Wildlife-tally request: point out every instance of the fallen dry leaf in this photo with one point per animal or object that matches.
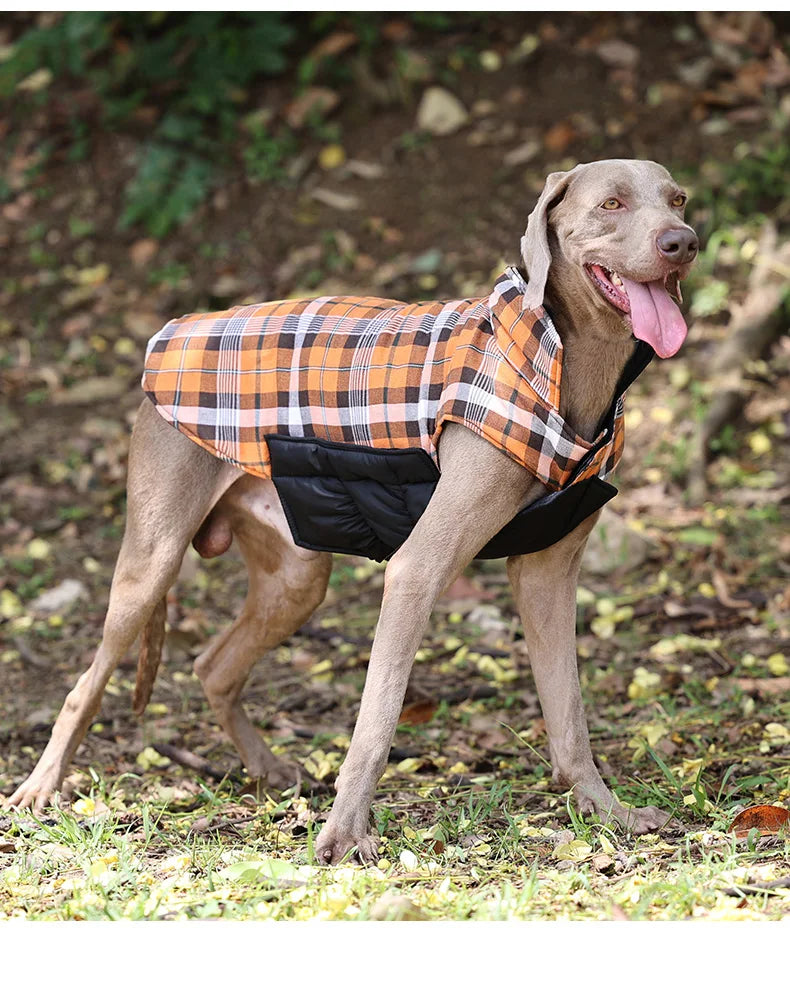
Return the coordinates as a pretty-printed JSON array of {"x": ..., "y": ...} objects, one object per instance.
[
  {"x": 418, "y": 712},
  {"x": 463, "y": 588},
  {"x": 767, "y": 819},
  {"x": 764, "y": 687},
  {"x": 559, "y": 137},
  {"x": 315, "y": 100},
  {"x": 336, "y": 43}
]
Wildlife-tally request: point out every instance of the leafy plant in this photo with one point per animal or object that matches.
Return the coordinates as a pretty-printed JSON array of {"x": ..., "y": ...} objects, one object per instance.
[{"x": 201, "y": 61}]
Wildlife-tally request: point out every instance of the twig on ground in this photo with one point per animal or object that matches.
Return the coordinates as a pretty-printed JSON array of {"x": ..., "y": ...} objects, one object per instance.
[
  {"x": 187, "y": 759},
  {"x": 748, "y": 889}
]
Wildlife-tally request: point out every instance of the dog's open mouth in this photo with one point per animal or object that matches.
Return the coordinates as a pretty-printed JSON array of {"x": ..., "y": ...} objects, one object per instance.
[{"x": 654, "y": 317}]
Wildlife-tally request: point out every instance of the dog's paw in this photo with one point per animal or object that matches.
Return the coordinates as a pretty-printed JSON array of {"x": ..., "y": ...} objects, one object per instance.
[
  {"x": 279, "y": 777},
  {"x": 636, "y": 820},
  {"x": 333, "y": 847},
  {"x": 286, "y": 774},
  {"x": 641, "y": 820},
  {"x": 34, "y": 794}
]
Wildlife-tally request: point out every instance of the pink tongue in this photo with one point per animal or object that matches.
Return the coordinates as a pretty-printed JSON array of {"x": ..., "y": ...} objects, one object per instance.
[{"x": 655, "y": 317}]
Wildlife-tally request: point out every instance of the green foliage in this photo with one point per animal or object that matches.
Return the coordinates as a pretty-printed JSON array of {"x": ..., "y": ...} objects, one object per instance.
[
  {"x": 187, "y": 76},
  {"x": 760, "y": 179},
  {"x": 170, "y": 183},
  {"x": 755, "y": 182},
  {"x": 266, "y": 154},
  {"x": 196, "y": 64}
]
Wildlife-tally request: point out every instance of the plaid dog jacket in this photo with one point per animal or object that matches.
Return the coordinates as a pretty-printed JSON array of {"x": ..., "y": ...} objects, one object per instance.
[{"x": 362, "y": 372}]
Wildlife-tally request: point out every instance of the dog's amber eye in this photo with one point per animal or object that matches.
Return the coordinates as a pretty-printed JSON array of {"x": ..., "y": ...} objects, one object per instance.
[
  {"x": 679, "y": 200},
  {"x": 611, "y": 204}
]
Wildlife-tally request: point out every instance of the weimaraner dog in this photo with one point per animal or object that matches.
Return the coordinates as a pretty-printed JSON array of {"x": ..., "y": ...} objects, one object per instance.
[{"x": 602, "y": 246}]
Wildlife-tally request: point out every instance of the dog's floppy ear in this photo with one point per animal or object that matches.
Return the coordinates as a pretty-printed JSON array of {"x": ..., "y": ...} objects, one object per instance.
[{"x": 535, "y": 241}]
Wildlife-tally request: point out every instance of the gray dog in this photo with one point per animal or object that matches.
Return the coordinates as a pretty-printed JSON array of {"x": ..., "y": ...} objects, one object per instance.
[{"x": 604, "y": 244}]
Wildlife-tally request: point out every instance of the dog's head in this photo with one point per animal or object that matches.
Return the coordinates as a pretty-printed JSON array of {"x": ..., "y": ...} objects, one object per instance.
[{"x": 609, "y": 238}]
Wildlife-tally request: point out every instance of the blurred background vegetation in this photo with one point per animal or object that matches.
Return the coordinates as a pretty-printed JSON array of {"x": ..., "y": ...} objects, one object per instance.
[
  {"x": 203, "y": 70},
  {"x": 192, "y": 87}
]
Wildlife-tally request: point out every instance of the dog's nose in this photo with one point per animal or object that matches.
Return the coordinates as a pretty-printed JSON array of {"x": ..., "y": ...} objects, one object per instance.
[{"x": 678, "y": 245}]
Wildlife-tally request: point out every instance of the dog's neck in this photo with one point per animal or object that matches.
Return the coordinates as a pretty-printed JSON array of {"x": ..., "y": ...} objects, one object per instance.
[{"x": 591, "y": 366}]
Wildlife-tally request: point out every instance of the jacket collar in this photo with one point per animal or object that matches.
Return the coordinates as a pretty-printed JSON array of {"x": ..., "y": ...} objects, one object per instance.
[
  {"x": 531, "y": 344},
  {"x": 527, "y": 337}
]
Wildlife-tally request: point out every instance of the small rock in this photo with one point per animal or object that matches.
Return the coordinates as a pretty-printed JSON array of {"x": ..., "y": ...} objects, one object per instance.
[
  {"x": 366, "y": 169},
  {"x": 335, "y": 199},
  {"x": 42, "y": 716},
  {"x": 623, "y": 862},
  {"x": 59, "y": 598},
  {"x": 618, "y": 54},
  {"x": 440, "y": 112},
  {"x": 696, "y": 73},
  {"x": 602, "y": 863},
  {"x": 614, "y": 546},
  {"x": 395, "y": 907},
  {"x": 522, "y": 154}
]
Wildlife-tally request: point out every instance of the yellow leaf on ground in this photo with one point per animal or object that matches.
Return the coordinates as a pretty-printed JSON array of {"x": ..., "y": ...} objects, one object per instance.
[
  {"x": 85, "y": 806},
  {"x": 575, "y": 851},
  {"x": 332, "y": 156},
  {"x": 778, "y": 734},
  {"x": 645, "y": 684},
  {"x": 653, "y": 732},
  {"x": 149, "y": 758}
]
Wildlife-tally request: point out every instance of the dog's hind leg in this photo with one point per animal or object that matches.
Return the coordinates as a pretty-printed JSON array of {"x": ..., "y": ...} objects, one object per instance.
[
  {"x": 286, "y": 584},
  {"x": 544, "y": 585},
  {"x": 172, "y": 485}
]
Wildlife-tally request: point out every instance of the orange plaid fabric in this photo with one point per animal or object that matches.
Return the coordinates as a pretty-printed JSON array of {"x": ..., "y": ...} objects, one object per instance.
[{"x": 375, "y": 373}]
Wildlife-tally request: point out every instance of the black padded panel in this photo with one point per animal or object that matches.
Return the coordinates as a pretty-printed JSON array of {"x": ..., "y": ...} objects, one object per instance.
[{"x": 363, "y": 501}]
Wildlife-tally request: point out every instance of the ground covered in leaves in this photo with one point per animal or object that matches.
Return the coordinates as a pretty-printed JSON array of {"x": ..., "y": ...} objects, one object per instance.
[{"x": 683, "y": 612}]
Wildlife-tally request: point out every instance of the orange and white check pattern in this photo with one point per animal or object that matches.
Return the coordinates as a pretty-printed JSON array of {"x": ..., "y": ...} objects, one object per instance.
[{"x": 376, "y": 373}]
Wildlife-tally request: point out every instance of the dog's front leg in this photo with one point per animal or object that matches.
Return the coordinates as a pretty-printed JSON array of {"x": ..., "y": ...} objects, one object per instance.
[
  {"x": 544, "y": 585},
  {"x": 406, "y": 608},
  {"x": 480, "y": 490}
]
